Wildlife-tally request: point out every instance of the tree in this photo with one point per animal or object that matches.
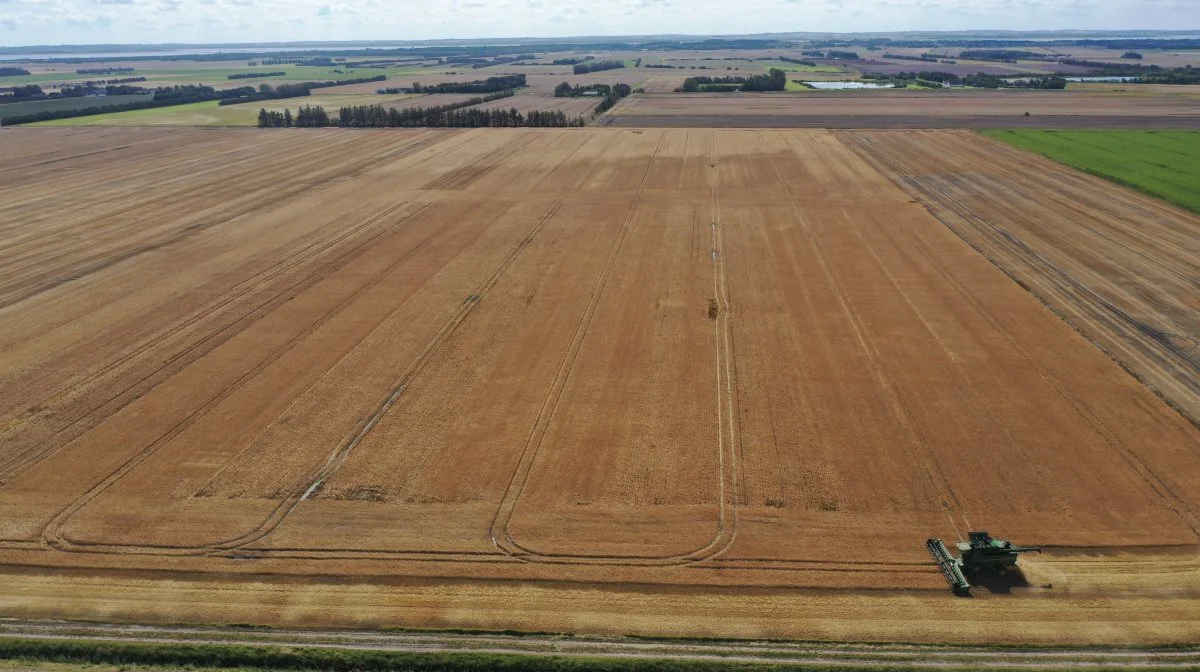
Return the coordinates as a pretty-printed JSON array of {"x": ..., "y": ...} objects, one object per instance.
[
  {"x": 263, "y": 119},
  {"x": 287, "y": 118},
  {"x": 28, "y": 91},
  {"x": 778, "y": 79}
]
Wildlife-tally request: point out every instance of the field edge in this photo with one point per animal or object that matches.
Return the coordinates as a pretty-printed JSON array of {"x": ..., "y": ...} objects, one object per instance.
[{"x": 82, "y": 648}]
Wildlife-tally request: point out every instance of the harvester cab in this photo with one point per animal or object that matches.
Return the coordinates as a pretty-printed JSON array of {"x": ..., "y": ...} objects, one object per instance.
[
  {"x": 978, "y": 554},
  {"x": 982, "y": 553}
]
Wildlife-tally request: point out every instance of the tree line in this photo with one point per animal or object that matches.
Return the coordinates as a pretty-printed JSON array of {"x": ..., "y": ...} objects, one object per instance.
[
  {"x": 13, "y": 72},
  {"x": 308, "y": 116},
  {"x": 504, "y": 60},
  {"x": 774, "y": 80},
  {"x": 462, "y": 114},
  {"x": 463, "y": 60},
  {"x": 902, "y": 57},
  {"x": 572, "y": 61},
  {"x": 252, "y": 75},
  {"x": 92, "y": 90},
  {"x": 267, "y": 92},
  {"x": 24, "y": 92},
  {"x": 566, "y": 90},
  {"x": 109, "y": 87},
  {"x": 421, "y": 116},
  {"x": 789, "y": 59},
  {"x": 376, "y": 116},
  {"x": 489, "y": 85},
  {"x": 616, "y": 93},
  {"x": 319, "y": 61},
  {"x": 1185, "y": 75},
  {"x": 1002, "y": 55},
  {"x": 611, "y": 94},
  {"x": 985, "y": 81},
  {"x": 597, "y": 66},
  {"x": 104, "y": 71}
]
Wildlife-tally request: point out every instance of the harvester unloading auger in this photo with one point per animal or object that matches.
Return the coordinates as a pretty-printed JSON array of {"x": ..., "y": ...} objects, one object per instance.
[{"x": 981, "y": 553}]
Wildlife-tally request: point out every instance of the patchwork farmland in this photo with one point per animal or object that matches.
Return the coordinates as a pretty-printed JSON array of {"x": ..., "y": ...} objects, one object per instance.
[{"x": 681, "y": 368}]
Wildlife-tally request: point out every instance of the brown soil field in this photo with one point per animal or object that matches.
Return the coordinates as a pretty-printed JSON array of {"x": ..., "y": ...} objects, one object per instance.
[
  {"x": 910, "y": 109},
  {"x": 1130, "y": 90},
  {"x": 527, "y": 101},
  {"x": 892, "y": 66},
  {"x": 659, "y": 381},
  {"x": 1167, "y": 59},
  {"x": 398, "y": 81},
  {"x": 417, "y": 100},
  {"x": 1123, "y": 269},
  {"x": 541, "y": 79}
]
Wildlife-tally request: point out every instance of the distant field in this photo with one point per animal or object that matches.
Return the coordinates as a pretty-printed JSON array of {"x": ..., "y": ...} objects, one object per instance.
[
  {"x": 55, "y": 104},
  {"x": 1161, "y": 163},
  {"x": 201, "y": 73},
  {"x": 743, "y": 65},
  {"x": 293, "y": 73},
  {"x": 209, "y": 113},
  {"x": 796, "y": 67},
  {"x": 892, "y": 108}
]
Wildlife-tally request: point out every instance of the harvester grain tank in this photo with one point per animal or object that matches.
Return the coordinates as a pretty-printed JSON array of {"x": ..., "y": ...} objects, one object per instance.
[{"x": 980, "y": 553}]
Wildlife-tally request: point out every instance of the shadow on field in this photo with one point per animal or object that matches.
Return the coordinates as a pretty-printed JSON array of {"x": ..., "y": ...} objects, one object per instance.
[{"x": 998, "y": 583}]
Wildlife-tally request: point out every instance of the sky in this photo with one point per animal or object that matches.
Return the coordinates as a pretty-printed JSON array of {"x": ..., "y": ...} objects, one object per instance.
[{"x": 28, "y": 22}]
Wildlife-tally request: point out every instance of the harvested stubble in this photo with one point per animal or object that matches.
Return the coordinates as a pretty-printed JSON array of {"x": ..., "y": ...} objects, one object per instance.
[{"x": 491, "y": 355}]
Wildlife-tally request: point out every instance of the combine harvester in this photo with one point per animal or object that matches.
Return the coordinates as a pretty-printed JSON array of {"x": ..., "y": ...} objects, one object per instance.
[{"x": 981, "y": 553}]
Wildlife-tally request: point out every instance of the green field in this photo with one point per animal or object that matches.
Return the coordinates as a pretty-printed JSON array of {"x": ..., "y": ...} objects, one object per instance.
[
  {"x": 55, "y": 104},
  {"x": 193, "y": 114},
  {"x": 1160, "y": 163}
]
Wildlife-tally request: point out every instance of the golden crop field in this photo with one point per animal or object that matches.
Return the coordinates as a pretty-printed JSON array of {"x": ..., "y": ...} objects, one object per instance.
[{"x": 557, "y": 378}]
